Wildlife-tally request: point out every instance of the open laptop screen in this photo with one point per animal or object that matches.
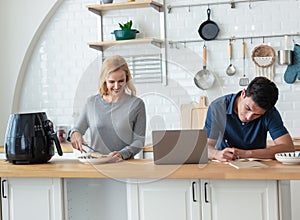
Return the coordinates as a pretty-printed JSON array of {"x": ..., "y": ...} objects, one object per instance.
[{"x": 180, "y": 146}]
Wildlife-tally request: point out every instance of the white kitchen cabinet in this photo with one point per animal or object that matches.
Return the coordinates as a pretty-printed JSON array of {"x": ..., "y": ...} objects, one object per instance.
[
  {"x": 32, "y": 198},
  {"x": 168, "y": 199},
  {"x": 294, "y": 199},
  {"x": 239, "y": 199},
  {"x": 95, "y": 199}
]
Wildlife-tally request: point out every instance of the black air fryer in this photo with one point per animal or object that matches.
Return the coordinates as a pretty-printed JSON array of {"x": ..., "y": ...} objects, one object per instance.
[{"x": 29, "y": 139}]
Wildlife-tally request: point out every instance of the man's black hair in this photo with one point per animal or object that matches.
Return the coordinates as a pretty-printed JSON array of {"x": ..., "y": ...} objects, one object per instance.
[{"x": 263, "y": 92}]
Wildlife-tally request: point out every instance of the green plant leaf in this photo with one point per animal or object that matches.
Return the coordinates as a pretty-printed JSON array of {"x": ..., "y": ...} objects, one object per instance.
[
  {"x": 121, "y": 26},
  {"x": 126, "y": 26}
]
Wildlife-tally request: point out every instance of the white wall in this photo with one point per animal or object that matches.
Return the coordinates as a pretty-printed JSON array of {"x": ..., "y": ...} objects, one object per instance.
[
  {"x": 19, "y": 23},
  {"x": 63, "y": 70}
]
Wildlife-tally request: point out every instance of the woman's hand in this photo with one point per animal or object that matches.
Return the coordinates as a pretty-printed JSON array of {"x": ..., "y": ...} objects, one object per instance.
[
  {"x": 117, "y": 155},
  {"x": 77, "y": 140}
]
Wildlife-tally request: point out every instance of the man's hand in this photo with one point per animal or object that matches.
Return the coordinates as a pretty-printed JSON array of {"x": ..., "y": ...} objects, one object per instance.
[{"x": 228, "y": 154}]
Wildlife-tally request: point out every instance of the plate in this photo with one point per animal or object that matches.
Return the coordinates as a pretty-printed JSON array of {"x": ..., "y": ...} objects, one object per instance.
[
  {"x": 288, "y": 157},
  {"x": 88, "y": 158}
]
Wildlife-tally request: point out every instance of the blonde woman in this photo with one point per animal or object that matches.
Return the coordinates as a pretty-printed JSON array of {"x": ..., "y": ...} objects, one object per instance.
[{"x": 115, "y": 117}]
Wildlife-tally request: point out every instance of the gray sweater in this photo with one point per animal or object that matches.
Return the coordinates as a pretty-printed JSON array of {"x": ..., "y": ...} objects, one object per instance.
[{"x": 116, "y": 126}]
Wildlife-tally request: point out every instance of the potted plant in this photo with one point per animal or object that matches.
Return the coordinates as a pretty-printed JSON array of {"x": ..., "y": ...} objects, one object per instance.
[{"x": 126, "y": 32}]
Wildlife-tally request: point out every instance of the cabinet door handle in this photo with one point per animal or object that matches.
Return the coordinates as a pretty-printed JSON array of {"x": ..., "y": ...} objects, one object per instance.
[
  {"x": 193, "y": 192},
  {"x": 3, "y": 189},
  {"x": 205, "y": 193}
]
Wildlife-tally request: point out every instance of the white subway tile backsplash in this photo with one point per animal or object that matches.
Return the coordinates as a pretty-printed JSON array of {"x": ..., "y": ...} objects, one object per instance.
[{"x": 63, "y": 70}]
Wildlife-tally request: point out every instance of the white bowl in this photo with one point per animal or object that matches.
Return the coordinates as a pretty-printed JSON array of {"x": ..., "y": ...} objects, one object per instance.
[{"x": 288, "y": 157}]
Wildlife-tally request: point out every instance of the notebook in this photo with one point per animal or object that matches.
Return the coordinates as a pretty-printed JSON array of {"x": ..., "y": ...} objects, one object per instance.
[{"x": 180, "y": 146}]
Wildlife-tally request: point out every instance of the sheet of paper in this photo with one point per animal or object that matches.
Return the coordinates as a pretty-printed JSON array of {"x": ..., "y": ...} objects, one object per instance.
[{"x": 247, "y": 164}]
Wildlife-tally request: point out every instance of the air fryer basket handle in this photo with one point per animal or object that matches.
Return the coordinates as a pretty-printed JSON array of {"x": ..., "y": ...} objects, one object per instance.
[
  {"x": 52, "y": 135},
  {"x": 57, "y": 144}
]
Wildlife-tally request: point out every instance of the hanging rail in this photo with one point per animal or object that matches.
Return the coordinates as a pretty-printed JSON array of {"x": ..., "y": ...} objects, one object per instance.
[
  {"x": 231, "y": 3},
  {"x": 171, "y": 43}
]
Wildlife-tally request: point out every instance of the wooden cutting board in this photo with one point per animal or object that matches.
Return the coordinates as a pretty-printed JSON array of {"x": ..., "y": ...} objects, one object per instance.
[{"x": 193, "y": 115}]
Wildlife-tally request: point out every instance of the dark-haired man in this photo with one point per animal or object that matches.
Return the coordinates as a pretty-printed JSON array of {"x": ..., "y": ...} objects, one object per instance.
[{"x": 237, "y": 124}]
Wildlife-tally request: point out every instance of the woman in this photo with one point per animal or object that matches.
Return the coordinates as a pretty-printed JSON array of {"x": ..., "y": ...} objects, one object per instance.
[{"x": 115, "y": 117}]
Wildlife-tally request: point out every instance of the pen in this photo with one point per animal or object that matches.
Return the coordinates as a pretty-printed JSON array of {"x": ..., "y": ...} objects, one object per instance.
[
  {"x": 227, "y": 145},
  {"x": 226, "y": 142}
]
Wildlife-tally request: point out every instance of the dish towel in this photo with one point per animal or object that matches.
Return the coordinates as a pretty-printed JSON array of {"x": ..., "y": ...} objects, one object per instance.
[{"x": 293, "y": 70}]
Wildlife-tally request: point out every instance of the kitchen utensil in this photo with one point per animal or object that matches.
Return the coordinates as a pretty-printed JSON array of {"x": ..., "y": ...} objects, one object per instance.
[
  {"x": 204, "y": 79},
  {"x": 208, "y": 30},
  {"x": 263, "y": 57},
  {"x": 90, "y": 147},
  {"x": 192, "y": 116},
  {"x": 29, "y": 139},
  {"x": 244, "y": 81},
  {"x": 231, "y": 70},
  {"x": 285, "y": 57}
]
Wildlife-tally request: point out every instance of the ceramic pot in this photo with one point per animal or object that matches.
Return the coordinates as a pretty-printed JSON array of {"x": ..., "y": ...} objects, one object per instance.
[{"x": 125, "y": 34}]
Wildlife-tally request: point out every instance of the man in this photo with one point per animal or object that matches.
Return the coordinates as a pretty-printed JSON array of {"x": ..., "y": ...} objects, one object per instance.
[{"x": 237, "y": 124}]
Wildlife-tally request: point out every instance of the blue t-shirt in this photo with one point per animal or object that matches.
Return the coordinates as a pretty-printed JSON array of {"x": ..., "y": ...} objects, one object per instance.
[{"x": 223, "y": 125}]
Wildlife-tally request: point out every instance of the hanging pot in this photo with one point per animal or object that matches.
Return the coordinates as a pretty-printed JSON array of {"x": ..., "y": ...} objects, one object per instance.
[
  {"x": 208, "y": 30},
  {"x": 285, "y": 57}
]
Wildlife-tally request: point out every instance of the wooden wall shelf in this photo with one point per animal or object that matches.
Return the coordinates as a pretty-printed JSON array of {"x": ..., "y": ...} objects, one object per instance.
[
  {"x": 106, "y": 44},
  {"x": 102, "y": 45},
  {"x": 98, "y": 8}
]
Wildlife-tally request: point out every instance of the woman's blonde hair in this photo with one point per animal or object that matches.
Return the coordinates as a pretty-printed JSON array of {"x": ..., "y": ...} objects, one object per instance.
[{"x": 112, "y": 64}]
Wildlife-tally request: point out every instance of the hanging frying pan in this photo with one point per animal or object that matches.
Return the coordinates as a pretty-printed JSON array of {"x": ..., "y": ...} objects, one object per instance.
[{"x": 208, "y": 30}]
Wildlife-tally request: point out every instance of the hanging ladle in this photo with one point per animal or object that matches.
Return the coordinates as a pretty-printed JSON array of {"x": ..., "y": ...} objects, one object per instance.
[{"x": 231, "y": 70}]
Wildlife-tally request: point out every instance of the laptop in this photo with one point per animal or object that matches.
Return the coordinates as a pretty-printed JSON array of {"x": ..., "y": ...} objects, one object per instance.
[{"x": 180, "y": 146}]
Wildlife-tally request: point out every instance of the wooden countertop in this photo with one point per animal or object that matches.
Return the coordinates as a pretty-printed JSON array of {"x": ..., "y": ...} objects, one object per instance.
[
  {"x": 66, "y": 148},
  {"x": 132, "y": 169}
]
